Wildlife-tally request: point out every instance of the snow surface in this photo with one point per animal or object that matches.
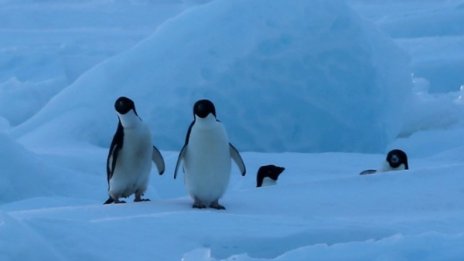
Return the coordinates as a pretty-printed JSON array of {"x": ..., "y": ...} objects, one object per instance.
[
  {"x": 318, "y": 210},
  {"x": 64, "y": 62}
]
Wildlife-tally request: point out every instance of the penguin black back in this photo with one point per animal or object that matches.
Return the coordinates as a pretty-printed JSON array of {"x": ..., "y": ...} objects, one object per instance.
[
  {"x": 397, "y": 157},
  {"x": 268, "y": 171}
]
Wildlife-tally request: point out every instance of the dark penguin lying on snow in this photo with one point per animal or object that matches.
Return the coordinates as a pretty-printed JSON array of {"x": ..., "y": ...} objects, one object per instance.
[
  {"x": 268, "y": 175},
  {"x": 396, "y": 160}
]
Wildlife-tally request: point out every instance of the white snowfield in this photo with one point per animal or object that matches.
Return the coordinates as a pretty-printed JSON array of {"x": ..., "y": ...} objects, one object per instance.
[
  {"x": 339, "y": 82},
  {"x": 320, "y": 209}
]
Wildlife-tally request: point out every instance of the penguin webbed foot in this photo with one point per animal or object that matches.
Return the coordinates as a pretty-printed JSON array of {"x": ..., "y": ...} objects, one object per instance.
[
  {"x": 217, "y": 206},
  {"x": 141, "y": 199},
  {"x": 198, "y": 204},
  {"x": 108, "y": 201},
  {"x": 138, "y": 198},
  {"x": 112, "y": 200}
]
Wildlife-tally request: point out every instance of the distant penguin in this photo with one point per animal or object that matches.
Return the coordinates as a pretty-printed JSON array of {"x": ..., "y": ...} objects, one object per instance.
[
  {"x": 131, "y": 153},
  {"x": 268, "y": 175},
  {"x": 206, "y": 157},
  {"x": 396, "y": 160}
]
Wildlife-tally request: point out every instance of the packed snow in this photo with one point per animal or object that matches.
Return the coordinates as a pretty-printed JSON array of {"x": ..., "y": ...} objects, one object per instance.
[
  {"x": 322, "y": 88},
  {"x": 430, "y": 31}
]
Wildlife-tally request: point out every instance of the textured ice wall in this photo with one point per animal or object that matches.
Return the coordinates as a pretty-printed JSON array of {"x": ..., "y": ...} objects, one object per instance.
[{"x": 285, "y": 76}]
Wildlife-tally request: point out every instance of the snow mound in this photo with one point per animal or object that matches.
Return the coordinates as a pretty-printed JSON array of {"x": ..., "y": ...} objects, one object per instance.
[
  {"x": 23, "y": 99},
  {"x": 17, "y": 239},
  {"x": 51, "y": 43},
  {"x": 298, "y": 76},
  {"x": 21, "y": 172},
  {"x": 27, "y": 175},
  {"x": 421, "y": 28}
]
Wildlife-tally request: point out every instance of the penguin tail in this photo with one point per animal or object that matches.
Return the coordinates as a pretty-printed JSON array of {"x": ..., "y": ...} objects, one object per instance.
[{"x": 109, "y": 201}]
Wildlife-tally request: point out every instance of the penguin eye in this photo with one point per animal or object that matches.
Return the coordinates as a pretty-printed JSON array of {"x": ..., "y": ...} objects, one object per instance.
[{"x": 395, "y": 159}]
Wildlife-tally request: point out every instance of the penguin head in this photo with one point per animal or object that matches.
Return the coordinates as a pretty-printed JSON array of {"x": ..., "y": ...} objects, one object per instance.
[
  {"x": 125, "y": 108},
  {"x": 203, "y": 108},
  {"x": 268, "y": 171},
  {"x": 123, "y": 105},
  {"x": 396, "y": 158}
]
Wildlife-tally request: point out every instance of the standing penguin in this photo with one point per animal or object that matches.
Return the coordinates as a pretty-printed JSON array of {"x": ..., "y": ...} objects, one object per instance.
[
  {"x": 129, "y": 159},
  {"x": 396, "y": 160},
  {"x": 206, "y": 157}
]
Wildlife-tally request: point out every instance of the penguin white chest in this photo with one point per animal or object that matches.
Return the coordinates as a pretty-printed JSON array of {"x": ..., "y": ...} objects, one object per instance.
[
  {"x": 386, "y": 167},
  {"x": 137, "y": 146},
  {"x": 207, "y": 161},
  {"x": 268, "y": 182}
]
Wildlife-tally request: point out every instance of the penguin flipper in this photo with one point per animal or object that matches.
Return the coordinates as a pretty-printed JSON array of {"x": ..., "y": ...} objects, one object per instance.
[
  {"x": 115, "y": 147},
  {"x": 368, "y": 172},
  {"x": 157, "y": 158},
  {"x": 237, "y": 159},
  {"x": 179, "y": 159},
  {"x": 111, "y": 162}
]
